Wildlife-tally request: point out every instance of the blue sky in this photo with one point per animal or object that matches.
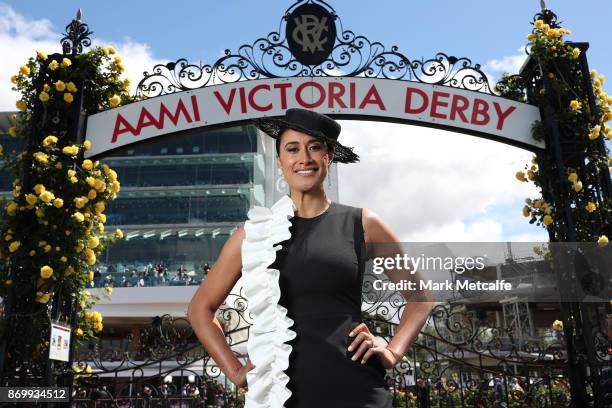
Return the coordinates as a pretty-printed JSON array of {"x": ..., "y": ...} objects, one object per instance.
[{"x": 433, "y": 185}]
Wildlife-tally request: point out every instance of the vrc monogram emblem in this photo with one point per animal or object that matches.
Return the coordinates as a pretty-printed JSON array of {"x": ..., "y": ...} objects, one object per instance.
[
  {"x": 308, "y": 32},
  {"x": 311, "y": 33}
]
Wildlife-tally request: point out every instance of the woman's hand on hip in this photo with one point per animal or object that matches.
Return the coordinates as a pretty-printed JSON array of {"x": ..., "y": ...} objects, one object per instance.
[
  {"x": 368, "y": 345},
  {"x": 239, "y": 377}
]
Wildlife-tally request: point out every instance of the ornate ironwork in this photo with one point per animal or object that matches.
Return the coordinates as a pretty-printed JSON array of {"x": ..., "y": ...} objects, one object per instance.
[
  {"x": 76, "y": 36},
  {"x": 352, "y": 55}
]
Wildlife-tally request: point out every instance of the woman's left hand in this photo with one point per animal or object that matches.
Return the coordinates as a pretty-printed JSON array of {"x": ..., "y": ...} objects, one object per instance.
[{"x": 367, "y": 345}]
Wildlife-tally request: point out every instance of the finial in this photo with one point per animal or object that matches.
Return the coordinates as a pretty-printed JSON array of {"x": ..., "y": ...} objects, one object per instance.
[
  {"x": 543, "y": 5},
  {"x": 79, "y": 14}
]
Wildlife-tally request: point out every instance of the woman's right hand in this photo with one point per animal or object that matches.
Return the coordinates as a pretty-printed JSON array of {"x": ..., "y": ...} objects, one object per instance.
[{"x": 240, "y": 376}]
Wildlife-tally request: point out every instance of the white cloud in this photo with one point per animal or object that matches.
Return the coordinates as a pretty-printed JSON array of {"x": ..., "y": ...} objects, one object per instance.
[
  {"x": 424, "y": 182},
  {"x": 20, "y": 38},
  {"x": 494, "y": 68}
]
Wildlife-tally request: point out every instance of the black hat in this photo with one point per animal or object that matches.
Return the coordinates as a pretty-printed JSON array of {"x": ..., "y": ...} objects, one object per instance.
[{"x": 312, "y": 123}]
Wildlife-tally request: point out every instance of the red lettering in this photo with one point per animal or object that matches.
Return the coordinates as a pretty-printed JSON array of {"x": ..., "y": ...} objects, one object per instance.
[
  {"x": 301, "y": 101},
  {"x": 352, "y": 91},
  {"x": 420, "y": 109},
  {"x": 196, "y": 110},
  {"x": 283, "y": 93},
  {"x": 372, "y": 96},
  {"x": 502, "y": 116},
  {"x": 459, "y": 108},
  {"x": 180, "y": 108},
  {"x": 481, "y": 109},
  {"x": 227, "y": 106},
  {"x": 252, "y": 98},
  {"x": 336, "y": 90},
  {"x": 243, "y": 107},
  {"x": 122, "y": 126},
  {"x": 435, "y": 102},
  {"x": 146, "y": 119}
]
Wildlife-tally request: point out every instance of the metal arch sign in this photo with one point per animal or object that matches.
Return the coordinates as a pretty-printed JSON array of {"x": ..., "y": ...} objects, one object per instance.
[{"x": 378, "y": 99}]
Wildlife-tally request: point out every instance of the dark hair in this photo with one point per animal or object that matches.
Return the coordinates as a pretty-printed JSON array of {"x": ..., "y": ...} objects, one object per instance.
[{"x": 330, "y": 148}]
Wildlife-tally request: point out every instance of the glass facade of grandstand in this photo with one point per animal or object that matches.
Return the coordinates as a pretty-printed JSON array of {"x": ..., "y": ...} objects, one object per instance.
[{"x": 181, "y": 197}]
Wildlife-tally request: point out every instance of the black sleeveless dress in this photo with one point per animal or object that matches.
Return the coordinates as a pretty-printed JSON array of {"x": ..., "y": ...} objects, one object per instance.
[{"x": 321, "y": 271}]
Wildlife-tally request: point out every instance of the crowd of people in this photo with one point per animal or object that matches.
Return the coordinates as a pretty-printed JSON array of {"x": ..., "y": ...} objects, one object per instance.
[{"x": 149, "y": 274}]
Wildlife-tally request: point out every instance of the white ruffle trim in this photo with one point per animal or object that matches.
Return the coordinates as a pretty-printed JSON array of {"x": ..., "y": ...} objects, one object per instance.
[{"x": 270, "y": 330}]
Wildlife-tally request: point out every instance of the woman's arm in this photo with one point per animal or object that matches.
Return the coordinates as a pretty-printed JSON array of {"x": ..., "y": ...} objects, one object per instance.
[
  {"x": 213, "y": 290},
  {"x": 419, "y": 304}
]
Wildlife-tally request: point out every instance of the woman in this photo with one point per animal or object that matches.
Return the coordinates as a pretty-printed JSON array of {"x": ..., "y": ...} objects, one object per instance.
[{"x": 307, "y": 346}]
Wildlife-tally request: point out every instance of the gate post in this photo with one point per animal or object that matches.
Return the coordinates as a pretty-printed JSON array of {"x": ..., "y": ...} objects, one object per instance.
[{"x": 566, "y": 152}]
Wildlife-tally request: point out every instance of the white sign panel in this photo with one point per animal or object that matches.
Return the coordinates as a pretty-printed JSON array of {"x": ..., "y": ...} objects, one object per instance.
[
  {"x": 343, "y": 97},
  {"x": 59, "y": 344}
]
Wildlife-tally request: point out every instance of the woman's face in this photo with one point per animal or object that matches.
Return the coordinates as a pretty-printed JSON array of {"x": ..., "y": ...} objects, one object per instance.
[{"x": 304, "y": 160}]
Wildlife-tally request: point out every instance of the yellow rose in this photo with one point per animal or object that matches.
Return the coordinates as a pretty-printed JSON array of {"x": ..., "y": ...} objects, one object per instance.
[
  {"x": 21, "y": 105},
  {"x": 115, "y": 186},
  {"x": 49, "y": 140},
  {"x": 575, "y": 105},
  {"x": 66, "y": 62},
  {"x": 94, "y": 241},
  {"x": 576, "y": 52},
  {"x": 58, "y": 203},
  {"x": 526, "y": 211},
  {"x": 40, "y": 212},
  {"x": 99, "y": 185},
  {"x": 538, "y": 24},
  {"x": 601, "y": 79},
  {"x": 14, "y": 246},
  {"x": 87, "y": 164},
  {"x": 102, "y": 217},
  {"x": 43, "y": 297},
  {"x": 118, "y": 59},
  {"x": 46, "y": 272},
  {"x": 92, "y": 194},
  {"x": 99, "y": 207},
  {"x": 25, "y": 70},
  {"x": 557, "y": 325},
  {"x": 14, "y": 79},
  {"x": 532, "y": 37},
  {"x": 71, "y": 87},
  {"x": 11, "y": 208},
  {"x": 111, "y": 50},
  {"x": 100, "y": 227},
  {"x": 53, "y": 65},
  {"x": 80, "y": 202},
  {"x": 60, "y": 86},
  {"x": 87, "y": 145},
  {"x": 47, "y": 196},
  {"x": 114, "y": 101},
  {"x": 112, "y": 175},
  {"x": 68, "y": 97},
  {"x": 73, "y": 180},
  {"x": 109, "y": 289},
  {"x": 595, "y": 131},
  {"x": 70, "y": 150},
  {"x": 547, "y": 220},
  {"x": 577, "y": 186},
  {"x": 41, "y": 157},
  {"x": 43, "y": 96},
  {"x": 591, "y": 206},
  {"x": 47, "y": 248},
  {"x": 520, "y": 176},
  {"x": 79, "y": 332},
  {"x": 602, "y": 241},
  {"x": 63, "y": 259},
  {"x": 31, "y": 199},
  {"x": 88, "y": 369},
  {"x": 41, "y": 55},
  {"x": 32, "y": 253},
  {"x": 79, "y": 217},
  {"x": 12, "y": 131},
  {"x": 573, "y": 177}
]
